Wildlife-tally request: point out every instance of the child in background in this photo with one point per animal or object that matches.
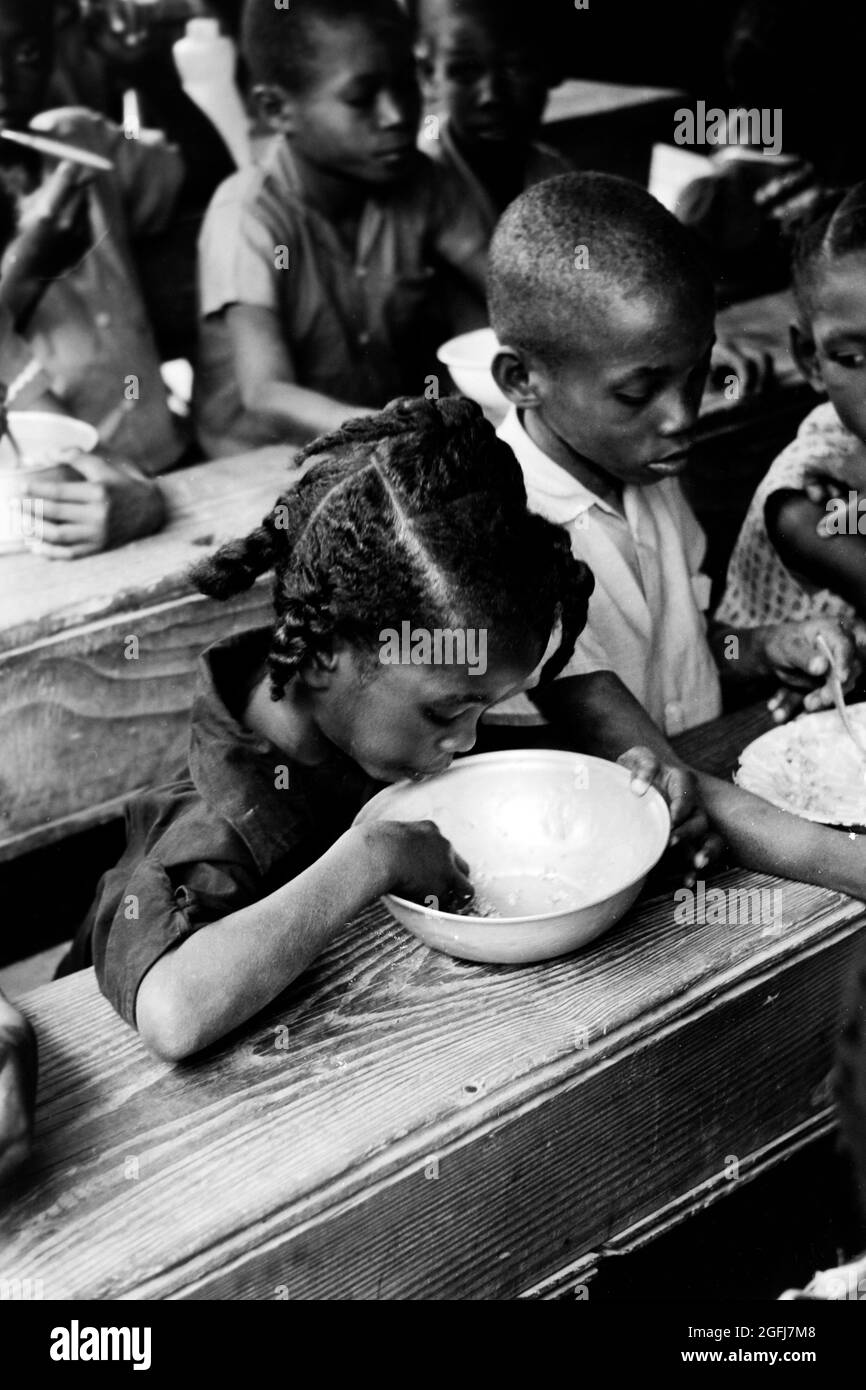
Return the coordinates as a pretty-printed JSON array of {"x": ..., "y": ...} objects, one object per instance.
[
  {"x": 604, "y": 310},
  {"x": 79, "y": 307},
  {"x": 486, "y": 74},
  {"x": 792, "y": 558},
  {"x": 488, "y": 70},
  {"x": 320, "y": 270}
]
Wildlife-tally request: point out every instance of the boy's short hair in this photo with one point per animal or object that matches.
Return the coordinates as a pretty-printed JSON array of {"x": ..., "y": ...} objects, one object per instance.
[
  {"x": 565, "y": 246},
  {"x": 504, "y": 19},
  {"x": 280, "y": 46},
  {"x": 836, "y": 229}
]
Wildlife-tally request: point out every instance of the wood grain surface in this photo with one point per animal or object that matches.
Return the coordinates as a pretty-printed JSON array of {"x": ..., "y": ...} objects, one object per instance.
[{"x": 401, "y": 1124}]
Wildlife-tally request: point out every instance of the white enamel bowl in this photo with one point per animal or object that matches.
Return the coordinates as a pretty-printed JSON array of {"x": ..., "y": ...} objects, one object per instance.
[
  {"x": 556, "y": 842},
  {"x": 469, "y": 358}
]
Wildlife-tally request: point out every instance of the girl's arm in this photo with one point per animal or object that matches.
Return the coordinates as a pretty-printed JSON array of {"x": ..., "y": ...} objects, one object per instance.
[
  {"x": 227, "y": 971},
  {"x": 772, "y": 841},
  {"x": 264, "y": 374},
  {"x": 836, "y": 562}
]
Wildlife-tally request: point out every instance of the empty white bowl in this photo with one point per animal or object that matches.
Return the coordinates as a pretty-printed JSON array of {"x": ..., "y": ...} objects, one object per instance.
[
  {"x": 47, "y": 442},
  {"x": 555, "y": 841},
  {"x": 469, "y": 358}
]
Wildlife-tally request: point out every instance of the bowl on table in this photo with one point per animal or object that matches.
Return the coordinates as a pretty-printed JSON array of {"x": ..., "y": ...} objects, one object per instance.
[
  {"x": 48, "y": 445},
  {"x": 469, "y": 358},
  {"x": 558, "y": 846}
]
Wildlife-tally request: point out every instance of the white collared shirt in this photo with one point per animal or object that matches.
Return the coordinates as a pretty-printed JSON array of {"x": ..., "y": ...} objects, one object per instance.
[{"x": 646, "y": 614}]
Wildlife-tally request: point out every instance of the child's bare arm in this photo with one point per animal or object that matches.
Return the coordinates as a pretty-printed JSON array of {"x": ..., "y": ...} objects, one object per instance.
[
  {"x": 770, "y": 840},
  {"x": 227, "y": 971},
  {"x": 835, "y": 562},
  {"x": 265, "y": 378}
]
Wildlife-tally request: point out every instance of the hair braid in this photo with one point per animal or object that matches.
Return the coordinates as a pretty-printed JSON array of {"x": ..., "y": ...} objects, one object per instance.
[{"x": 418, "y": 512}]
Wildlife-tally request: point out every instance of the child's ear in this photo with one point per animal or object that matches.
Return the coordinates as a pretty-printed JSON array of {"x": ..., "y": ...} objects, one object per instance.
[
  {"x": 516, "y": 379},
  {"x": 276, "y": 106},
  {"x": 320, "y": 667},
  {"x": 805, "y": 355}
]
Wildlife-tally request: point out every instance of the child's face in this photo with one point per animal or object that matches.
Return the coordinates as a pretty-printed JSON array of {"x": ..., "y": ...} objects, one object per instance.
[
  {"x": 493, "y": 91},
  {"x": 25, "y": 62},
  {"x": 403, "y": 721},
  {"x": 359, "y": 115},
  {"x": 628, "y": 401},
  {"x": 832, "y": 350}
]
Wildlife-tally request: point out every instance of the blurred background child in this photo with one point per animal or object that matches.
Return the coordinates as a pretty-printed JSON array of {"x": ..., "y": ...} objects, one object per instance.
[
  {"x": 71, "y": 291},
  {"x": 320, "y": 270},
  {"x": 487, "y": 68}
]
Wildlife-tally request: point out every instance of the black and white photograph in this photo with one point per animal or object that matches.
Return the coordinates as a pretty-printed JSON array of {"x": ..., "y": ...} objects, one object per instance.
[{"x": 432, "y": 656}]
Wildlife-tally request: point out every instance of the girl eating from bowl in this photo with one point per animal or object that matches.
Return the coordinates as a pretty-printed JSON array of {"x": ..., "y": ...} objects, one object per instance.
[{"x": 244, "y": 868}]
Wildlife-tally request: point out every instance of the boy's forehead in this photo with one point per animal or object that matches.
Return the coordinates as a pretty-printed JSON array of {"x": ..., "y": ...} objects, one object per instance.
[
  {"x": 627, "y": 330},
  {"x": 840, "y": 291}
]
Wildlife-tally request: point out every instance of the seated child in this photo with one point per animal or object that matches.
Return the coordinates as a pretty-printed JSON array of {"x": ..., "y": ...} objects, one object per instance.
[
  {"x": 241, "y": 871},
  {"x": 486, "y": 77},
  {"x": 792, "y": 558},
  {"x": 487, "y": 71},
  {"x": 320, "y": 270},
  {"x": 604, "y": 310},
  {"x": 79, "y": 306}
]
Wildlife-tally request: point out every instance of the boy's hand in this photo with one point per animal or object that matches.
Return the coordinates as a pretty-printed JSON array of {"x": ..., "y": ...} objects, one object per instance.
[
  {"x": 109, "y": 506},
  {"x": 790, "y": 196},
  {"x": 790, "y": 650},
  {"x": 421, "y": 863},
  {"x": 690, "y": 826},
  {"x": 17, "y": 1089}
]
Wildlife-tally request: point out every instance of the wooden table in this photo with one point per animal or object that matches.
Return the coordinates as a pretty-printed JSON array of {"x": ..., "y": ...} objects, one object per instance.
[
  {"x": 403, "y": 1125},
  {"x": 84, "y": 721}
]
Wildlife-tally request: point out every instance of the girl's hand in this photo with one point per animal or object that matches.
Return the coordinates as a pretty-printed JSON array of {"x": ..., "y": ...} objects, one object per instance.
[
  {"x": 108, "y": 506},
  {"x": 791, "y": 652},
  {"x": 17, "y": 1088},
  {"x": 420, "y": 863},
  {"x": 690, "y": 826}
]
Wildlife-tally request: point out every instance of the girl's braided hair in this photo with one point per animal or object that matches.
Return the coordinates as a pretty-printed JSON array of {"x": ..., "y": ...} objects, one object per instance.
[{"x": 416, "y": 513}]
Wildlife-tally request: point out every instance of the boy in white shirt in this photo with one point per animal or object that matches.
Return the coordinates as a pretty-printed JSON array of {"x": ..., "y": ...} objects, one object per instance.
[{"x": 605, "y": 310}]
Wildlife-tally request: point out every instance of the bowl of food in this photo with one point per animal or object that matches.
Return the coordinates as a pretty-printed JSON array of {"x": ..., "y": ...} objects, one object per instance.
[
  {"x": 557, "y": 843},
  {"x": 469, "y": 358},
  {"x": 47, "y": 445}
]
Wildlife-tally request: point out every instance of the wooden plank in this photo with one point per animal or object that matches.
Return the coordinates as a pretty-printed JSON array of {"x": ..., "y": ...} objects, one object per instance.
[
  {"x": 561, "y": 1103},
  {"x": 208, "y": 504},
  {"x": 83, "y": 725}
]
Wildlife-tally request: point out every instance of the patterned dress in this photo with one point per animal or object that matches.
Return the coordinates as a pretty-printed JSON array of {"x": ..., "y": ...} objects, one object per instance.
[{"x": 760, "y": 588}]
